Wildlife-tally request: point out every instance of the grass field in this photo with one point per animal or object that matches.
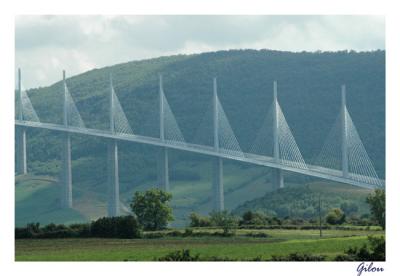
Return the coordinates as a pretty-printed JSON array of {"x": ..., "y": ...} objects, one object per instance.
[{"x": 278, "y": 242}]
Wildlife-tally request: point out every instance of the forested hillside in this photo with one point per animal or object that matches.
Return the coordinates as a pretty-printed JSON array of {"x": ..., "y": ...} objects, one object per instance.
[
  {"x": 303, "y": 201},
  {"x": 308, "y": 91}
]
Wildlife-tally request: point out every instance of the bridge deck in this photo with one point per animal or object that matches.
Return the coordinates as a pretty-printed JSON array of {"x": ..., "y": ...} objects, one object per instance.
[{"x": 311, "y": 170}]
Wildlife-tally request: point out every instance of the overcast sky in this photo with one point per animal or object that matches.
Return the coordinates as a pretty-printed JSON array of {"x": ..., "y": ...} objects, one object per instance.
[{"x": 45, "y": 45}]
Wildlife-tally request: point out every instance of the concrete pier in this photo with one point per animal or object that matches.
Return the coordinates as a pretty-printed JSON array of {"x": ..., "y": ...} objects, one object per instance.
[
  {"x": 277, "y": 179},
  {"x": 218, "y": 184},
  {"x": 113, "y": 179},
  {"x": 163, "y": 169},
  {"x": 20, "y": 133},
  {"x": 66, "y": 199}
]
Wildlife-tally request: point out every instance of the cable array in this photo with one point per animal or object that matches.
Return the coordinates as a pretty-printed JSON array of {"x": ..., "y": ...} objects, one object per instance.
[
  {"x": 289, "y": 152},
  {"x": 74, "y": 118},
  {"x": 264, "y": 142},
  {"x": 28, "y": 112},
  {"x": 330, "y": 155},
  {"x": 204, "y": 134},
  {"x": 360, "y": 166},
  {"x": 121, "y": 123},
  {"x": 227, "y": 139},
  {"x": 172, "y": 131}
]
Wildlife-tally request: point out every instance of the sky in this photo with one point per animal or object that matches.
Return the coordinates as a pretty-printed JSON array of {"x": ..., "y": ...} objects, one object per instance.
[{"x": 46, "y": 45}]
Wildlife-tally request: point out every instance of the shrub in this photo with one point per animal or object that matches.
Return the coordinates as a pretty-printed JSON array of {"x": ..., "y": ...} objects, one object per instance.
[
  {"x": 257, "y": 235},
  {"x": 180, "y": 256},
  {"x": 199, "y": 221},
  {"x": 188, "y": 232},
  {"x": 253, "y": 218},
  {"x": 22, "y": 233},
  {"x": 336, "y": 216},
  {"x": 225, "y": 220},
  {"x": 30, "y": 231},
  {"x": 52, "y": 231},
  {"x": 82, "y": 229},
  {"x": 116, "y": 227},
  {"x": 373, "y": 251},
  {"x": 154, "y": 235},
  {"x": 299, "y": 257},
  {"x": 175, "y": 233}
]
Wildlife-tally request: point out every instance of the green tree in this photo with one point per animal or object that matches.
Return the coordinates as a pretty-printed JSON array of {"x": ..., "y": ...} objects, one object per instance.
[
  {"x": 335, "y": 216},
  {"x": 225, "y": 220},
  {"x": 349, "y": 207},
  {"x": 152, "y": 209},
  {"x": 253, "y": 218},
  {"x": 199, "y": 221},
  {"x": 376, "y": 203}
]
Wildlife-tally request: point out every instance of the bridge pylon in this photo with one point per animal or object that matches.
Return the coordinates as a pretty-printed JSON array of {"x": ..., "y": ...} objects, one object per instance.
[
  {"x": 217, "y": 166},
  {"x": 344, "y": 129},
  {"x": 162, "y": 162},
  {"x": 113, "y": 209},
  {"x": 276, "y": 174},
  {"x": 66, "y": 174}
]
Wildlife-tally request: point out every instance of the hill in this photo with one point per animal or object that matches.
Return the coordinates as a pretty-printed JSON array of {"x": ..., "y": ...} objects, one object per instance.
[
  {"x": 309, "y": 93},
  {"x": 303, "y": 201}
]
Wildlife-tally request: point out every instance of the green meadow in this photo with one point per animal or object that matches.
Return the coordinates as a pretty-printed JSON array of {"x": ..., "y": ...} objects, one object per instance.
[{"x": 241, "y": 247}]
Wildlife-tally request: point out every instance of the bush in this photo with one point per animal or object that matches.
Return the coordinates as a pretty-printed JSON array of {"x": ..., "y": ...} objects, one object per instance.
[
  {"x": 336, "y": 216},
  {"x": 199, "y": 221},
  {"x": 82, "y": 229},
  {"x": 126, "y": 227},
  {"x": 373, "y": 251},
  {"x": 116, "y": 227},
  {"x": 23, "y": 233},
  {"x": 188, "y": 232},
  {"x": 299, "y": 257},
  {"x": 253, "y": 218},
  {"x": 225, "y": 220},
  {"x": 180, "y": 256},
  {"x": 154, "y": 235},
  {"x": 257, "y": 235},
  {"x": 50, "y": 231}
]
